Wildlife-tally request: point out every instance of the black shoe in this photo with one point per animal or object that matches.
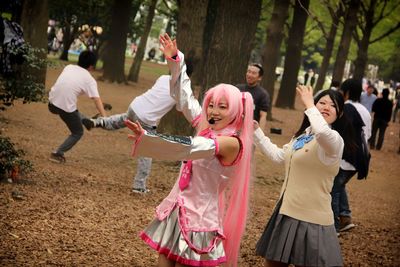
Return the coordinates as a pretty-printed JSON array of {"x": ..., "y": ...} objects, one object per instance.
[
  {"x": 57, "y": 158},
  {"x": 88, "y": 123}
]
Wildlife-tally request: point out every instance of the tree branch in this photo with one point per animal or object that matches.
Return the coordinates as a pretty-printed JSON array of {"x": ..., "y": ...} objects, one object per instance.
[{"x": 390, "y": 31}]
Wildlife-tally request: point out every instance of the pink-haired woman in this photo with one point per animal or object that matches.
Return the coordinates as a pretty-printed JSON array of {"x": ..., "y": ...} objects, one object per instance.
[{"x": 201, "y": 221}]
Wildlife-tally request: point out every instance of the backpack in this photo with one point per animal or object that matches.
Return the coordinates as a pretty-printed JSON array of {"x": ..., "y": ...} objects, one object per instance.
[{"x": 362, "y": 156}]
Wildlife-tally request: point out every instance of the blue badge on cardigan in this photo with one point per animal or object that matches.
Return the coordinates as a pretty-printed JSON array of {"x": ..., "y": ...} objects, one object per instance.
[{"x": 301, "y": 141}]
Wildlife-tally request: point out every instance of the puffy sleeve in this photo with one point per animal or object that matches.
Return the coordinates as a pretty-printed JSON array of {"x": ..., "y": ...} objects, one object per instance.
[
  {"x": 271, "y": 150},
  {"x": 330, "y": 142},
  {"x": 181, "y": 90}
]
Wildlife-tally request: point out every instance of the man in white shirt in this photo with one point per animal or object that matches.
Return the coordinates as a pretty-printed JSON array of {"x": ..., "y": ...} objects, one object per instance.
[
  {"x": 148, "y": 109},
  {"x": 351, "y": 162},
  {"x": 75, "y": 80}
]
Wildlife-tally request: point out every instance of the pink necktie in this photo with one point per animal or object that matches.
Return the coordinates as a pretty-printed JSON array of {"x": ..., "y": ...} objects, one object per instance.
[{"x": 187, "y": 167}]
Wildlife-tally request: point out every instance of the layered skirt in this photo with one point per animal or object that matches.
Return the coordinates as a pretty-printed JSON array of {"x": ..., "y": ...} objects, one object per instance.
[
  {"x": 292, "y": 241},
  {"x": 167, "y": 238}
]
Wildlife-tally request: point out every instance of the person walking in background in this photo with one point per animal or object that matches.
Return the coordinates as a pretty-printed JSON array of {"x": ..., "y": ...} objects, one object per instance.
[
  {"x": 148, "y": 109},
  {"x": 75, "y": 80},
  {"x": 368, "y": 98},
  {"x": 382, "y": 110},
  {"x": 353, "y": 160},
  {"x": 198, "y": 223},
  {"x": 260, "y": 96},
  {"x": 301, "y": 229},
  {"x": 396, "y": 103}
]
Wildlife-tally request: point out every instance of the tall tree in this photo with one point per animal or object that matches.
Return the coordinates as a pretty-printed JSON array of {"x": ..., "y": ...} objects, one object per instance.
[
  {"x": 190, "y": 33},
  {"x": 336, "y": 13},
  {"x": 114, "y": 59},
  {"x": 72, "y": 14},
  {"x": 349, "y": 27},
  {"x": 137, "y": 62},
  {"x": 372, "y": 14},
  {"x": 273, "y": 42},
  {"x": 34, "y": 20},
  {"x": 287, "y": 92},
  {"x": 231, "y": 42}
]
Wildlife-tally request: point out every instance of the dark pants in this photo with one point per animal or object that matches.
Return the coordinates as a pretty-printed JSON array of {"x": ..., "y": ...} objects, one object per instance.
[
  {"x": 340, "y": 202},
  {"x": 74, "y": 124},
  {"x": 381, "y": 125}
]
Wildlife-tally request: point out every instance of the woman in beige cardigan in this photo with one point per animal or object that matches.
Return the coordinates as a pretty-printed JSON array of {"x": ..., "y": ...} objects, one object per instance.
[{"x": 301, "y": 230}]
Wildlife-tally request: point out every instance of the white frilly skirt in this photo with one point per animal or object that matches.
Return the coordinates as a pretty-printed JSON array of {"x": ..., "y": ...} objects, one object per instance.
[{"x": 192, "y": 248}]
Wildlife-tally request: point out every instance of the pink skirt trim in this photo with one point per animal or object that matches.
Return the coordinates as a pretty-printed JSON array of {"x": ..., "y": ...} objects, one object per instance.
[{"x": 167, "y": 252}]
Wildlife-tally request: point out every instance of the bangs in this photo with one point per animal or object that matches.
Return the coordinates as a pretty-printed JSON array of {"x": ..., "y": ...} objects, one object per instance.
[{"x": 227, "y": 92}]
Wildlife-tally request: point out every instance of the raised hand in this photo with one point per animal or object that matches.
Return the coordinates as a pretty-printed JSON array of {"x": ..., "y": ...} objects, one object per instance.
[
  {"x": 136, "y": 129},
  {"x": 306, "y": 95},
  {"x": 168, "y": 46}
]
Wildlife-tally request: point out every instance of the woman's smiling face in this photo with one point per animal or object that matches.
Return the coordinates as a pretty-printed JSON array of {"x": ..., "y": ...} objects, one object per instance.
[
  {"x": 219, "y": 113},
  {"x": 327, "y": 108}
]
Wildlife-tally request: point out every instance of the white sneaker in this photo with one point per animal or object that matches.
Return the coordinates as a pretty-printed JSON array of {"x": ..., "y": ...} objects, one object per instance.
[{"x": 140, "y": 190}]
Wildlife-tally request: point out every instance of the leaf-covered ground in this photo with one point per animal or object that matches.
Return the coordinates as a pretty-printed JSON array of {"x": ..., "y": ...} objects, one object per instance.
[{"x": 82, "y": 213}]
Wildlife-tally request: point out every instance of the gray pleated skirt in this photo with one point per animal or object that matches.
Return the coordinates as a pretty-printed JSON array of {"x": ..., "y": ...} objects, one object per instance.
[
  {"x": 167, "y": 238},
  {"x": 292, "y": 241}
]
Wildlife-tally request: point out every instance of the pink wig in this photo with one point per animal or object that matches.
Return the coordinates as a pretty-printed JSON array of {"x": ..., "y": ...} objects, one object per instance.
[{"x": 234, "y": 203}]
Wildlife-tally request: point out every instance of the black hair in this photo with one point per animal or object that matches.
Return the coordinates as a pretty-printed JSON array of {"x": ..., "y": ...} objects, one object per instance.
[
  {"x": 189, "y": 66},
  {"x": 335, "y": 84},
  {"x": 341, "y": 124},
  {"x": 259, "y": 67},
  {"x": 86, "y": 59},
  {"x": 385, "y": 93},
  {"x": 353, "y": 87}
]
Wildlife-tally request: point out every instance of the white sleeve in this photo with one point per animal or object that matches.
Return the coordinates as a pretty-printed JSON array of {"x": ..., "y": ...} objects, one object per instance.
[
  {"x": 168, "y": 147},
  {"x": 180, "y": 89},
  {"x": 271, "y": 150},
  {"x": 330, "y": 141}
]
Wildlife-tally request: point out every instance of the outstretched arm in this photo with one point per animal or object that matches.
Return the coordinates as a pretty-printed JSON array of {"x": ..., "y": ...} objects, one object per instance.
[
  {"x": 269, "y": 149},
  {"x": 181, "y": 147},
  {"x": 180, "y": 85}
]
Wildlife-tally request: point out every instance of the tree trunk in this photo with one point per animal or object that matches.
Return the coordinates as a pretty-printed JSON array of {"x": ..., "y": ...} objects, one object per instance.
[
  {"x": 190, "y": 41},
  {"x": 68, "y": 39},
  {"x": 360, "y": 63},
  {"x": 114, "y": 58},
  {"x": 272, "y": 47},
  {"x": 190, "y": 33},
  {"x": 137, "y": 62},
  {"x": 231, "y": 42},
  {"x": 287, "y": 92},
  {"x": 34, "y": 20},
  {"x": 330, "y": 41},
  {"x": 349, "y": 26},
  {"x": 362, "y": 53}
]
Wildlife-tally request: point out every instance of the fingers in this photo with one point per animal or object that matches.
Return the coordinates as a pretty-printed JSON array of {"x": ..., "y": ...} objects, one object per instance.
[
  {"x": 165, "y": 40},
  {"x": 134, "y": 126},
  {"x": 255, "y": 125},
  {"x": 302, "y": 89}
]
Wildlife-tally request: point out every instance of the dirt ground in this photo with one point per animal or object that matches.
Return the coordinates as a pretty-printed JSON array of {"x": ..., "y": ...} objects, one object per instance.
[{"x": 82, "y": 213}]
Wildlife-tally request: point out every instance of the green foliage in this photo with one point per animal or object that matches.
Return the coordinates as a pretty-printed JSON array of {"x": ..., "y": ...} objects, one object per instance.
[
  {"x": 11, "y": 159},
  {"x": 21, "y": 83}
]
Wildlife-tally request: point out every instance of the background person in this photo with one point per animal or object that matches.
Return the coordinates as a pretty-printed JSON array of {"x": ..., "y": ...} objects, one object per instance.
[
  {"x": 260, "y": 96},
  {"x": 75, "y": 80},
  {"x": 148, "y": 109}
]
